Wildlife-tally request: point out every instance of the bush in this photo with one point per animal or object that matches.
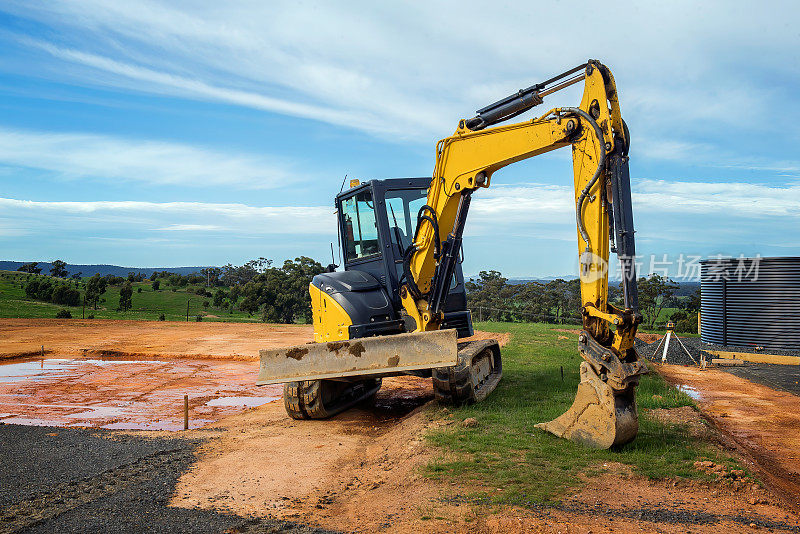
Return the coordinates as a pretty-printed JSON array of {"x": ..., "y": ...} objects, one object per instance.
[
  {"x": 162, "y": 318},
  {"x": 66, "y": 296},
  {"x": 156, "y": 285},
  {"x": 138, "y": 289},
  {"x": 90, "y": 316},
  {"x": 63, "y": 314},
  {"x": 206, "y": 304},
  {"x": 199, "y": 318},
  {"x": 685, "y": 322},
  {"x": 114, "y": 280}
]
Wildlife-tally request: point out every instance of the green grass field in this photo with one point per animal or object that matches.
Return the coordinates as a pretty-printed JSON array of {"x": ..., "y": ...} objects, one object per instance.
[
  {"x": 147, "y": 305},
  {"x": 528, "y": 465}
]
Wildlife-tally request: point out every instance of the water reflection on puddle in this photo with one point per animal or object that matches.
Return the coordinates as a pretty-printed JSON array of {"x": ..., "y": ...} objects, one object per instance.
[
  {"x": 127, "y": 394},
  {"x": 33, "y": 369},
  {"x": 243, "y": 402},
  {"x": 689, "y": 390}
]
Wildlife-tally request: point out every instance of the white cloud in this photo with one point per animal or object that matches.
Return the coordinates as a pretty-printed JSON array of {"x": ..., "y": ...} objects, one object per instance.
[
  {"x": 81, "y": 155},
  {"x": 134, "y": 216},
  {"x": 191, "y": 228},
  {"x": 733, "y": 200},
  {"x": 540, "y": 202},
  {"x": 413, "y": 69}
]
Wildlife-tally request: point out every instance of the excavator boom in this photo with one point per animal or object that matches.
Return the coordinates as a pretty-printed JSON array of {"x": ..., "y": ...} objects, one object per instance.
[{"x": 604, "y": 411}]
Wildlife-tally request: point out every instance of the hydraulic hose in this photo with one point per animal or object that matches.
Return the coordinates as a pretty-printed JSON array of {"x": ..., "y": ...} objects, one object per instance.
[{"x": 600, "y": 165}]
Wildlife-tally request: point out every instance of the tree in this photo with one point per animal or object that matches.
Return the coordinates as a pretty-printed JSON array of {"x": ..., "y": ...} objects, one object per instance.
[
  {"x": 66, "y": 295},
  {"x": 693, "y": 302},
  {"x": 31, "y": 268},
  {"x": 280, "y": 293},
  {"x": 654, "y": 293},
  {"x": 156, "y": 285},
  {"x": 59, "y": 269},
  {"x": 126, "y": 296},
  {"x": 212, "y": 275},
  {"x": 232, "y": 275},
  {"x": 565, "y": 297},
  {"x": 95, "y": 287},
  {"x": 488, "y": 292}
]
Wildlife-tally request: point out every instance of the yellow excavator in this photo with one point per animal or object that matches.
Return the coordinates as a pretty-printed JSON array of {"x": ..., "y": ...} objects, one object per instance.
[{"x": 399, "y": 306}]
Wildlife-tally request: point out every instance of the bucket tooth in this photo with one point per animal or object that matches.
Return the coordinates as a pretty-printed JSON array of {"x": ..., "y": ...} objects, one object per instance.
[{"x": 599, "y": 417}]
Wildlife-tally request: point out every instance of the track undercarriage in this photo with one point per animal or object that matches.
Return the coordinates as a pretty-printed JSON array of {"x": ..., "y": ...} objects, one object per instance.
[{"x": 476, "y": 374}]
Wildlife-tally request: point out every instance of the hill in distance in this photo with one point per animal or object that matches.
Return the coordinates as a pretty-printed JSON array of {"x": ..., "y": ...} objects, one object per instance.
[{"x": 103, "y": 270}]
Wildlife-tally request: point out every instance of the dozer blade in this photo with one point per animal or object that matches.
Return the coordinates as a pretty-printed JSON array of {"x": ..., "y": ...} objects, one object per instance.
[
  {"x": 358, "y": 357},
  {"x": 600, "y": 417}
]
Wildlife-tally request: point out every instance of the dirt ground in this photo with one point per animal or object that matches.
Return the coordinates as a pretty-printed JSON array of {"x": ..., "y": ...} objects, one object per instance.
[
  {"x": 145, "y": 339},
  {"x": 76, "y": 337},
  {"x": 763, "y": 423},
  {"x": 362, "y": 471}
]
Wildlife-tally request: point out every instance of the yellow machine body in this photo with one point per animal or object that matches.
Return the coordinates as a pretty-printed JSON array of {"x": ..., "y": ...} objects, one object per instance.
[{"x": 331, "y": 322}]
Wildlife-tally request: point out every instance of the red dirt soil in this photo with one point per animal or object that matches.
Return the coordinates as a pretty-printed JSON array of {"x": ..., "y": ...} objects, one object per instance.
[
  {"x": 76, "y": 337},
  {"x": 132, "y": 339},
  {"x": 362, "y": 470},
  {"x": 764, "y": 424},
  {"x": 139, "y": 373}
]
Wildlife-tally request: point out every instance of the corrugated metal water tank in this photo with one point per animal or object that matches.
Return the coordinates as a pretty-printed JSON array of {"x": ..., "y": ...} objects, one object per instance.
[{"x": 751, "y": 302}]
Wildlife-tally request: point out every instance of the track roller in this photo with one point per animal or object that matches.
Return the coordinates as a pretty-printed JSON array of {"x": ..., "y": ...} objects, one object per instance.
[
  {"x": 320, "y": 399},
  {"x": 477, "y": 373}
]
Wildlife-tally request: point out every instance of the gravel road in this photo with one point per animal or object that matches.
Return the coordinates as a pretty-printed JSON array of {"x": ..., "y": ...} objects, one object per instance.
[{"x": 75, "y": 480}]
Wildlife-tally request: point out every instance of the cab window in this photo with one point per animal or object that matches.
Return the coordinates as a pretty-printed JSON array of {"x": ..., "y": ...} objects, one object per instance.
[
  {"x": 402, "y": 207},
  {"x": 360, "y": 228}
]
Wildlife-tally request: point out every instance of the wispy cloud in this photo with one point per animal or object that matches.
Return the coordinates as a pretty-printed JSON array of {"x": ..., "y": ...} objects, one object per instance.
[
  {"x": 168, "y": 217},
  {"x": 541, "y": 202},
  {"x": 392, "y": 69},
  {"x": 82, "y": 155}
]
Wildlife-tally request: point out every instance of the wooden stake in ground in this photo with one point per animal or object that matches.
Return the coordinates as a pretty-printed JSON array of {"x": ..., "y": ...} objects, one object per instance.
[{"x": 186, "y": 412}]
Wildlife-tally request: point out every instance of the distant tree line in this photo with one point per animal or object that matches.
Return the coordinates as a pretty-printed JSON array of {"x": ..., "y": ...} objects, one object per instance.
[
  {"x": 490, "y": 296},
  {"x": 274, "y": 293}
]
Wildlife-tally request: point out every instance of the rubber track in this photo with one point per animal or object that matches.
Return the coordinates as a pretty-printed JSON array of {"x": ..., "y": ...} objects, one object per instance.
[
  {"x": 305, "y": 400},
  {"x": 454, "y": 385}
]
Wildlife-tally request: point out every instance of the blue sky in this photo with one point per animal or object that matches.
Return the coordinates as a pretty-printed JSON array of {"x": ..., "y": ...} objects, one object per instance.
[{"x": 173, "y": 133}]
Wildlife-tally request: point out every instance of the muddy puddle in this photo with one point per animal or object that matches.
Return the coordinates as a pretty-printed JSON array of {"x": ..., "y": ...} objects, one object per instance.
[
  {"x": 127, "y": 394},
  {"x": 689, "y": 390}
]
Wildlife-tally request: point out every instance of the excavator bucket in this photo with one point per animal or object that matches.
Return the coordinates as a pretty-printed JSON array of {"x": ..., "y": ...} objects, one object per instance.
[{"x": 600, "y": 417}]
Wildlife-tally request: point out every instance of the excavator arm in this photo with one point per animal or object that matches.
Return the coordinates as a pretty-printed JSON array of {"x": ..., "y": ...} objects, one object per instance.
[{"x": 604, "y": 411}]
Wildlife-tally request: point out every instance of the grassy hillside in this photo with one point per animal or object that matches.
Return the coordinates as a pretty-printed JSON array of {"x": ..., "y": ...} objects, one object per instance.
[
  {"x": 147, "y": 305},
  {"x": 521, "y": 465}
]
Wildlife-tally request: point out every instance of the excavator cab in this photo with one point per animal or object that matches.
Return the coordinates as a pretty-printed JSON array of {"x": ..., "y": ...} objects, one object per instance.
[{"x": 377, "y": 220}]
